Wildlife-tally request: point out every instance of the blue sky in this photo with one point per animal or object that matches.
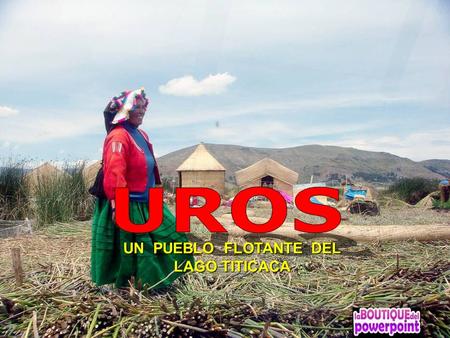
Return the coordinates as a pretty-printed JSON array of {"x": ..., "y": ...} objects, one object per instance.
[{"x": 374, "y": 75}]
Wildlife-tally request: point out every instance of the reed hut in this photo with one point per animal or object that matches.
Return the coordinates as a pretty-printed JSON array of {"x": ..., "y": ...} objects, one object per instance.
[
  {"x": 267, "y": 173},
  {"x": 201, "y": 169},
  {"x": 90, "y": 172},
  {"x": 41, "y": 174}
]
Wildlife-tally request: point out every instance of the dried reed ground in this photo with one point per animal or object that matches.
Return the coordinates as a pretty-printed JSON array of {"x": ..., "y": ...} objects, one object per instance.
[{"x": 314, "y": 300}]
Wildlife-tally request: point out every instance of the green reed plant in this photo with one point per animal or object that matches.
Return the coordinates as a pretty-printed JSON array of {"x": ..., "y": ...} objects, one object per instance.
[
  {"x": 441, "y": 205},
  {"x": 62, "y": 196},
  {"x": 14, "y": 203},
  {"x": 412, "y": 190},
  {"x": 82, "y": 201}
]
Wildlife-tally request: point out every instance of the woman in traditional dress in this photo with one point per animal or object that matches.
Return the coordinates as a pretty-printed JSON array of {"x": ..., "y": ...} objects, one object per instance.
[{"x": 128, "y": 161}]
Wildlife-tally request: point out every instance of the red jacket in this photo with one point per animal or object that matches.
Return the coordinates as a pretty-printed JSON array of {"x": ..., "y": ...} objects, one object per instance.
[{"x": 124, "y": 163}]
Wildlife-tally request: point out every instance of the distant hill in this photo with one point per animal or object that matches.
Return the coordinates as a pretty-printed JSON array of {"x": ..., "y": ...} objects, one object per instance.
[
  {"x": 326, "y": 163},
  {"x": 441, "y": 167}
]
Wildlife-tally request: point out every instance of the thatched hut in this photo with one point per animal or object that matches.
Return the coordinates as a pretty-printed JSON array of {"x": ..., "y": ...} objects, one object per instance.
[
  {"x": 90, "y": 172},
  {"x": 40, "y": 174},
  {"x": 267, "y": 173},
  {"x": 201, "y": 169}
]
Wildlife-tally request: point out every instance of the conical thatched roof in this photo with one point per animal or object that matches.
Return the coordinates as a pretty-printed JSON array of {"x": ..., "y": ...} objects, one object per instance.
[
  {"x": 90, "y": 172},
  {"x": 265, "y": 167},
  {"x": 201, "y": 160},
  {"x": 45, "y": 169},
  {"x": 42, "y": 172}
]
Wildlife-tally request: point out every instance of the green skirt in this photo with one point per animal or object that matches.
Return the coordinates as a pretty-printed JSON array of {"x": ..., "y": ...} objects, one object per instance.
[{"x": 110, "y": 263}]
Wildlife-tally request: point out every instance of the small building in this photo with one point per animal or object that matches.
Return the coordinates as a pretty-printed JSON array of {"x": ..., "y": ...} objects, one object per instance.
[
  {"x": 201, "y": 169},
  {"x": 267, "y": 173},
  {"x": 90, "y": 172}
]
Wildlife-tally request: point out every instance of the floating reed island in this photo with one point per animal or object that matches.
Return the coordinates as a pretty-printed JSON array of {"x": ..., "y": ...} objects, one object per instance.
[{"x": 314, "y": 299}]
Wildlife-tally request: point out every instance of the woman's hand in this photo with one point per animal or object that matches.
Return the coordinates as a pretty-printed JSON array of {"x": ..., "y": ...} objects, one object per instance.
[{"x": 113, "y": 208}]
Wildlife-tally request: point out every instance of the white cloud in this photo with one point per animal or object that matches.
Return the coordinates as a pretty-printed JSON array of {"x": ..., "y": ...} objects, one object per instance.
[
  {"x": 7, "y": 111},
  {"x": 358, "y": 45},
  {"x": 269, "y": 132},
  {"x": 417, "y": 146},
  {"x": 264, "y": 133},
  {"x": 36, "y": 34},
  {"x": 33, "y": 130},
  {"x": 189, "y": 86},
  {"x": 173, "y": 119}
]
